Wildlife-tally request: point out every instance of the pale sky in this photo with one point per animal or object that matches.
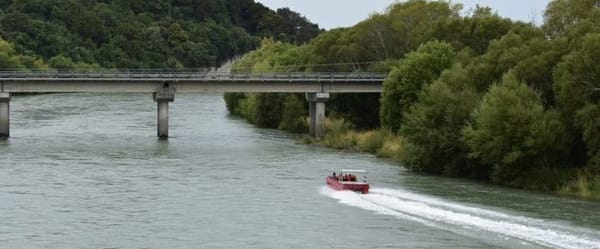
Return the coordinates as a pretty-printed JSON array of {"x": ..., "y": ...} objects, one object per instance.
[{"x": 344, "y": 13}]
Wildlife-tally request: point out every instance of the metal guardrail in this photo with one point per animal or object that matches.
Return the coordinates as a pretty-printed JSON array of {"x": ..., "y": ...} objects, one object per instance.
[{"x": 193, "y": 75}]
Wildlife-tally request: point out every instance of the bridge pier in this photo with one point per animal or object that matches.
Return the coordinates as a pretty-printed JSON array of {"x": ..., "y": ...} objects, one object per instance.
[
  {"x": 316, "y": 111},
  {"x": 162, "y": 97},
  {"x": 4, "y": 114}
]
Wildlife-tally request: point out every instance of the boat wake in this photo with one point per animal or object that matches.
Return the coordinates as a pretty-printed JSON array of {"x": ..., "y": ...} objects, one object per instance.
[{"x": 446, "y": 215}]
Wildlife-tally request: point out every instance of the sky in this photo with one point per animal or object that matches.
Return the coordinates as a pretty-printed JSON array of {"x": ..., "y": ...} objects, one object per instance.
[{"x": 345, "y": 13}]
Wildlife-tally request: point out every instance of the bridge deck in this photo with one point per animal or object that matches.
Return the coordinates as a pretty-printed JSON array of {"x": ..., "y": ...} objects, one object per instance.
[{"x": 147, "y": 82}]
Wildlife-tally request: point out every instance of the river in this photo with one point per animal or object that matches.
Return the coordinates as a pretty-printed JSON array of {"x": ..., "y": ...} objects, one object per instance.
[{"x": 87, "y": 171}]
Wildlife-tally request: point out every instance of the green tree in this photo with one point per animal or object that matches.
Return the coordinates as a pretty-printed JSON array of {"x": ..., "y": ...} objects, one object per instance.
[
  {"x": 142, "y": 34},
  {"x": 588, "y": 121},
  {"x": 403, "y": 86},
  {"x": 412, "y": 23},
  {"x": 577, "y": 92},
  {"x": 475, "y": 31},
  {"x": 10, "y": 59},
  {"x": 504, "y": 54},
  {"x": 514, "y": 135},
  {"x": 268, "y": 109},
  {"x": 564, "y": 16},
  {"x": 233, "y": 102},
  {"x": 432, "y": 128},
  {"x": 294, "y": 115},
  {"x": 577, "y": 77},
  {"x": 61, "y": 62}
]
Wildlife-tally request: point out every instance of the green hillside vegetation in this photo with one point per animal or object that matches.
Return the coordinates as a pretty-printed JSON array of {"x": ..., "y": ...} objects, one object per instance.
[
  {"x": 9, "y": 58},
  {"x": 143, "y": 34},
  {"x": 476, "y": 96}
]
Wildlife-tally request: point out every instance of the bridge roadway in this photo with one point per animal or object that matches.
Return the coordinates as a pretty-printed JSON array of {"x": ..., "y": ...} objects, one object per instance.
[
  {"x": 164, "y": 84},
  {"x": 147, "y": 82}
]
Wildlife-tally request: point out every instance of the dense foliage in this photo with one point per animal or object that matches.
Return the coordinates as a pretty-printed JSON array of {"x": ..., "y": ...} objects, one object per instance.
[
  {"x": 9, "y": 58},
  {"x": 270, "y": 110},
  {"x": 403, "y": 86},
  {"x": 513, "y": 134},
  {"x": 144, "y": 34},
  {"x": 432, "y": 128},
  {"x": 474, "y": 96}
]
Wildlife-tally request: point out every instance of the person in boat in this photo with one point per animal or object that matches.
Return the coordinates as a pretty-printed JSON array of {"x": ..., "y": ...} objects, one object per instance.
[
  {"x": 352, "y": 177},
  {"x": 334, "y": 176}
]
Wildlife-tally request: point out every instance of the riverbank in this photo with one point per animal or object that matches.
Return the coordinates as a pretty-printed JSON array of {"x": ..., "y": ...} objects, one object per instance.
[{"x": 580, "y": 183}]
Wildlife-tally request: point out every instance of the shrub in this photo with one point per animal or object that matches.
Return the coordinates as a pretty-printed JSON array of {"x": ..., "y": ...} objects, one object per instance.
[{"x": 338, "y": 134}]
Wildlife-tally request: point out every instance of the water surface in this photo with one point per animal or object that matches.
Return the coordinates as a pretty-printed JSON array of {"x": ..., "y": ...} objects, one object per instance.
[{"x": 87, "y": 171}]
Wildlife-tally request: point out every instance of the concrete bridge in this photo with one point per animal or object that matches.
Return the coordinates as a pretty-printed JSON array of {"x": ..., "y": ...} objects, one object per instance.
[{"x": 165, "y": 84}]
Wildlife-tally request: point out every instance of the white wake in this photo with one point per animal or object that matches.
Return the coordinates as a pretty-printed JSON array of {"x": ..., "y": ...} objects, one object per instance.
[{"x": 443, "y": 214}]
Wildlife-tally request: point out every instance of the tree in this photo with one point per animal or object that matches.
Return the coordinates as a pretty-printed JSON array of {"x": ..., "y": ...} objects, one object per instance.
[
  {"x": 142, "y": 34},
  {"x": 588, "y": 121},
  {"x": 504, "y": 54},
  {"x": 514, "y": 135},
  {"x": 563, "y": 16},
  {"x": 268, "y": 109},
  {"x": 293, "y": 118},
  {"x": 475, "y": 31},
  {"x": 233, "y": 102},
  {"x": 412, "y": 22},
  {"x": 403, "y": 86},
  {"x": 61, "y": 62},
  {"x": 11, "y": 59},
  {"x": 432, "y": 128},
  {"x": 577, "y": 77},
  {"x": 577, "y": 88}
]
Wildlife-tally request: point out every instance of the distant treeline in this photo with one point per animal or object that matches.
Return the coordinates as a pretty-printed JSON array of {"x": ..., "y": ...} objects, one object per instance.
[
  {"x": 139, "y": 33},
  {"x": 475, "y": 95}
]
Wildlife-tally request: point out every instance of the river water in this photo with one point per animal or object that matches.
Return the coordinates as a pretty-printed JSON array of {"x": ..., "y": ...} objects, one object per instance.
[{"x": 87, "y": 171}]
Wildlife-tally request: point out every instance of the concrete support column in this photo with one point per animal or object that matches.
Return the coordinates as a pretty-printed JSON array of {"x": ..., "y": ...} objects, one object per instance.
[
  {"x": 4, "y": 115},
  {"x": 163, "y": 119},
  {"x": 312, "y": 119},
  {"x": 163, "y": 95},
  {"x": 316, "y": 109}
]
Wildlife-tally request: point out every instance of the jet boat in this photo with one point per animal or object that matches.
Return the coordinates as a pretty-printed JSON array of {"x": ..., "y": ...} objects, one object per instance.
[{"x": 353, "y": 180}]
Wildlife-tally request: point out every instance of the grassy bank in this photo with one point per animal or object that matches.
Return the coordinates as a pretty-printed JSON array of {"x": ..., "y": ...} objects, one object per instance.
[
  {"x": 340, "y": 135},
  {"x": 580, "y": 183}
]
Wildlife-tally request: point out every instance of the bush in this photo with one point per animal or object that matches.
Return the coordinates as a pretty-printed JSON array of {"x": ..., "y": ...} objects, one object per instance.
[
  {"x": 583, "y": 183},
  {"x": 370, "y": 141},
  {"x": 338, "y": 134},
  {"x": 392, "y": 146}
]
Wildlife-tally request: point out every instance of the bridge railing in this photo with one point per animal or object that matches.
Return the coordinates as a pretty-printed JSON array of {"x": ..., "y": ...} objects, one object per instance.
[{"x": 183, "y": 74}]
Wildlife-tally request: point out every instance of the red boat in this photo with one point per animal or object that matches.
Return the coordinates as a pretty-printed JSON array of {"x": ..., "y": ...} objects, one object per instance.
[{"x": 354, "y": 180}]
